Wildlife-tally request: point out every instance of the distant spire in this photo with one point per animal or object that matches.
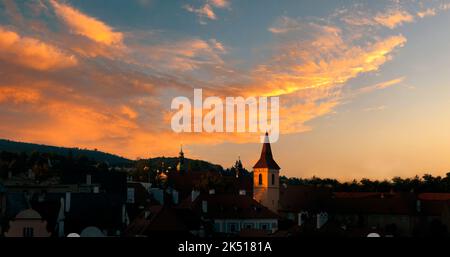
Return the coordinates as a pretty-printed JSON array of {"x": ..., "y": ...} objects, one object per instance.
[
  {"x": 180, "y": 166},
  {"x": 266, "y": 159}
]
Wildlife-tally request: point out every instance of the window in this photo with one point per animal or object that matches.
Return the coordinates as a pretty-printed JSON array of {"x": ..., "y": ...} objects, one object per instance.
[
  {"x": 273, "y": 179},
  {"x": 28, "y": 232},
  {"x": 217, "y": 227},
  {"x": 248, "y": 225},
  {"x": 130, "y": 195},
  {"x": 264, "y": 226},
  {"x": 232, "y": 227},
  {"x": 260, "y": 179}
]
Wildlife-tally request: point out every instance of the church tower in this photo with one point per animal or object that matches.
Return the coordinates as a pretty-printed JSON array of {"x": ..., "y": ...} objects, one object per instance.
[
  {"x": 266, "y": 182},
  {"x": 181, "y": 168}
]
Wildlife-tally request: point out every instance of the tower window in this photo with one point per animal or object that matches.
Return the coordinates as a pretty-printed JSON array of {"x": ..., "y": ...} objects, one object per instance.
[
  {"x": 260, "y": 179},
  {"x": 273, "y": 179}
]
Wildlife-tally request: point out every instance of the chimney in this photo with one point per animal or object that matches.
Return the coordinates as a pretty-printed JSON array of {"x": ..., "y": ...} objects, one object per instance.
[
  {"x": 194, "y": 195},
  {"x": 242, "y": 192},
  {"x": 204, "y": 206},
  {"x": 212, "y": 191},
  {"x": 88, "y": 179},
  {"x": 67, "y": 204}
]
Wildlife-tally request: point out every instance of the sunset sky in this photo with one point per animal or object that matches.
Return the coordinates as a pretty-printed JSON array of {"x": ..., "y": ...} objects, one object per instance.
[{"x": 364, "y": 86}]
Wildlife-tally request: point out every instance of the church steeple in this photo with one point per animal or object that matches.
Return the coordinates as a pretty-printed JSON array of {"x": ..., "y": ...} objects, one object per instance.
[
  {"x": 181, "y": 166},
  {"x": 266, "y": 178},
  {"x": 266, "y": 159},
  {"x": 181, "y": 152}
]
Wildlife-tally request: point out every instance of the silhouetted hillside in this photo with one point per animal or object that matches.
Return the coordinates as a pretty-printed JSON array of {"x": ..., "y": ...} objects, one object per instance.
[{"x": 19, "y": 147}]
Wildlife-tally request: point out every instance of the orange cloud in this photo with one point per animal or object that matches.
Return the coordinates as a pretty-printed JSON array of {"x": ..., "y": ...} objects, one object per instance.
[
  {"x": 310, "y": 66},
  {"x": 426, "y": 13},
  {"x": 304, "y": 112},
  {"x": 184, "y": 55},
  {"x": 87, "y": 26},
  {"x": 32, "y": 53},
  {"x": 390, "y": 18},
  {"x": 115, "y": 107},
  {"x": 382, "y": 85},
  {"x": 130, "y": 113},
  {"x": 206, "y": 11},
  {"x": 298, "y": 69},
  {"x": 393, "y": 18},
  {"x": 220, "y": 3},
  {"x": 18, "y": 95}
]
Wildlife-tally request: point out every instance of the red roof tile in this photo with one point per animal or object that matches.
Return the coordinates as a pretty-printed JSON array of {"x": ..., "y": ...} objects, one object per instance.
[
  {"x": 434, "y": 196},
  {"x": 230, "y": 206}
]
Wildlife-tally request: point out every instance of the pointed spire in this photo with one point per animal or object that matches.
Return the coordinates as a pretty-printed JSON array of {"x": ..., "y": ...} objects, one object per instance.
[
  {"x": 180, "y": 165},
  {"x": 266, "y": 159}
]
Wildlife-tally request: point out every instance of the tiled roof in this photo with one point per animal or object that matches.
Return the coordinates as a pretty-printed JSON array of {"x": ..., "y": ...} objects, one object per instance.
[
  {"x": 231, "y": 206},
  {"x": 355, "y": 195},
  {"x": 395, "y": 204},
  {"x": 155, "y": 220},
  {"x": 296, "y": 198},
  {"x": 434, "y": 204},
  {"x": 434, "y": 196}
]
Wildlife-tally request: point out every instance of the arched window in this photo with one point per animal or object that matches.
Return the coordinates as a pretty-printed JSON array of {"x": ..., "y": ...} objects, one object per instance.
[
  {"x": 260, "y": 179},
  {"x": 273, "y": 179}
]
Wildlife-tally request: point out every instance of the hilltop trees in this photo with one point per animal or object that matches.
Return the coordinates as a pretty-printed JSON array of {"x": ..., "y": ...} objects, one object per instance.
[{"x": 426, "y": 183}]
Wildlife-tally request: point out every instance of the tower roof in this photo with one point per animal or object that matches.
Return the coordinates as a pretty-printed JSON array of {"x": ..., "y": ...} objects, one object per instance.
[{"x": 266, "y": 160}]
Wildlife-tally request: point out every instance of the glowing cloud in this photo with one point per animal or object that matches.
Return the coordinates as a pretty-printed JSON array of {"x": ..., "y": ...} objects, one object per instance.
[
  {"x": 206, "y": 11},
  {"x": 18, "y": 95},
  {"x": 393, "y": 18},
  {"x": 382, "y": 85},
  {"x": 220, "y": 3},
  {"x": 184, "y": 55},
  {"x": 87, "y": 26},
  {"x": 32, "y": 53},
  {"x": 427, "y": 12}
]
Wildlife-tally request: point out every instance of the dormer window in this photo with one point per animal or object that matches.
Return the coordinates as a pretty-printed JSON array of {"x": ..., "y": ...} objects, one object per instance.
[{"x": 260, "y": 179}]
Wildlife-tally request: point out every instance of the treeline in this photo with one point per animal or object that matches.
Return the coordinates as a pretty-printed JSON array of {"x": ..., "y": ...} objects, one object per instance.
[
  {"x": 426, "y": 183},
  {"x": 46, "y": 165}
]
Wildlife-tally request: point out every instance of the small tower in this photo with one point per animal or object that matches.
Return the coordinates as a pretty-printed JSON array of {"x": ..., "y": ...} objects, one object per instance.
[
  {"x": 181, "y": 168},
  {"x": 266, "y": 172}
]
